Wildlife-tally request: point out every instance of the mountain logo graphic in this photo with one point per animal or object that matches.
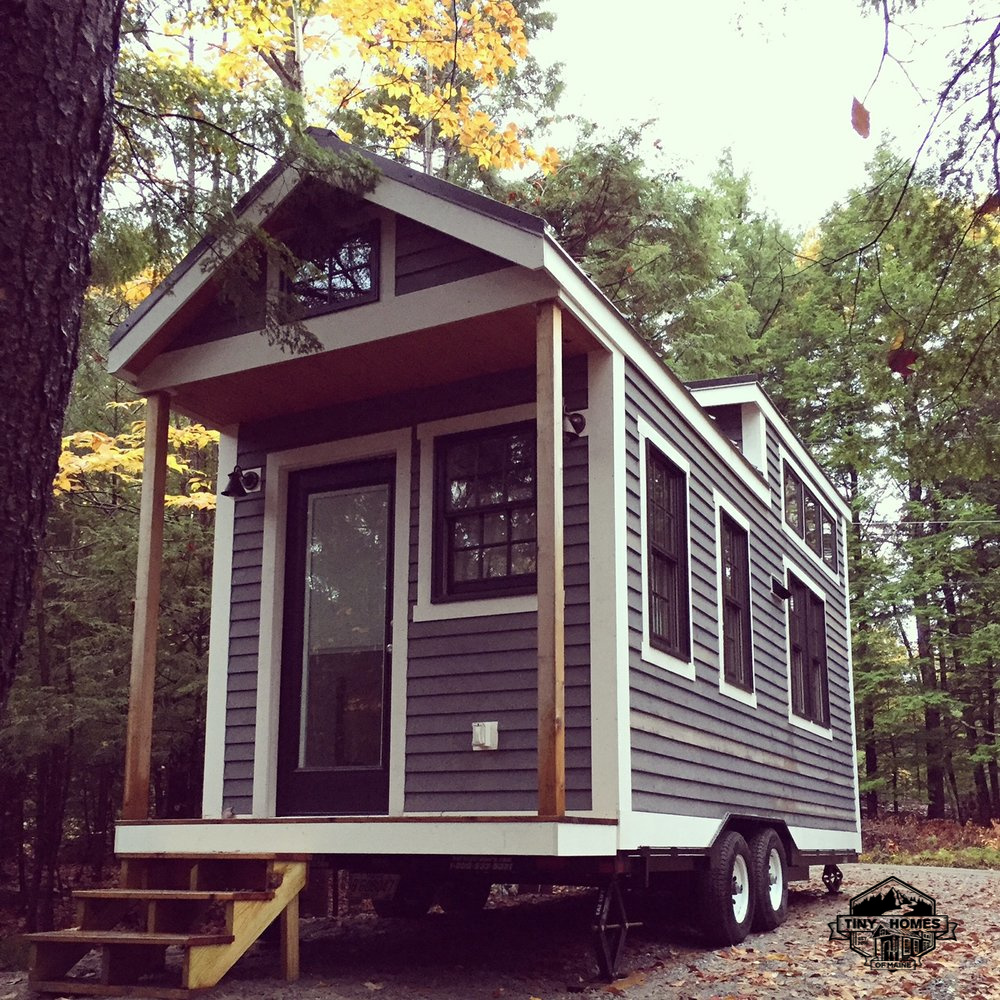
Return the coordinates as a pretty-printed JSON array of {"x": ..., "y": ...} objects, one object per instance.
[{"x": 892, "y": 925}]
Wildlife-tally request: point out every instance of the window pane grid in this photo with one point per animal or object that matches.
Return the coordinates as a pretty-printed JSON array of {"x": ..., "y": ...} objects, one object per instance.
[
  {"x": 807, "y": 631},
  {"x": 487, "y": 512},
  {"x": 737, "y": 654},
  {"x": 666, "y": 529},
  {"x": 809, "y": 519}
]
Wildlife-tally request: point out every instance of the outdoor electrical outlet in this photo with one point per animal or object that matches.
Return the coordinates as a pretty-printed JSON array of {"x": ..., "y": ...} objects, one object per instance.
[{"x": 484, "y": 736}]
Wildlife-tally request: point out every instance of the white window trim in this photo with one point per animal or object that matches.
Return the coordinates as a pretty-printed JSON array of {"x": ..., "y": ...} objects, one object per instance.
[
  {"x": 754, "y": 436},
  {"x": 790, "y": 533},
  {"x": 723, "y": 506},
  {"x": 425, "y": 610},
  {"x": 649, "y": 652},
  {"x": 797, "y": 720},
  {"x": 280, "y": 465}
]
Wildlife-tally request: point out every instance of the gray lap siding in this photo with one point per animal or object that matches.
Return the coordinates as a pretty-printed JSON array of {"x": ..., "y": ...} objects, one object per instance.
[
  {"x": 459, "y": 671},
  {"x": 696, "y": 751}
]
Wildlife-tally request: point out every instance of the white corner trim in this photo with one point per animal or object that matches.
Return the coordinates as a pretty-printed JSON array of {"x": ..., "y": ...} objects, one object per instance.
[
  {"x": 611, "y": 785},
  {"x": 804, "y": 724},
  {"x": 425, "y": 610},
  {"x": 394, "y": 444},
  {"x": 754, "y": 436},
  {"x": 649, "y": 653},
  {"x": 850, "y": 693},
  {"x": 218, "y": 635}
]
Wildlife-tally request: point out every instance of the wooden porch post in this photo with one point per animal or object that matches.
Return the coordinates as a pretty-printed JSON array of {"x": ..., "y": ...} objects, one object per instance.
[
  {"x": 551, "y": 594},
  {"x": 138, "y": 742}
]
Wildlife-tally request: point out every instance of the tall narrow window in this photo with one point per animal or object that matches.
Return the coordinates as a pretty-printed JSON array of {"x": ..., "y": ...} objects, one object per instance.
[
  {"x": 666, "y": 528},
  {"x": 807, "y": 653},
  {"x": 793, "y": 501},
  {"x": 737, "y": 649},
  {"x": 486, "y": 536}
]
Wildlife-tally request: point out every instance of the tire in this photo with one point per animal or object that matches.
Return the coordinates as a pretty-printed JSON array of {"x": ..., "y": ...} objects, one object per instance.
[
  {"x": 726, "y": 892},
  {"x": 769, "y": 879}
]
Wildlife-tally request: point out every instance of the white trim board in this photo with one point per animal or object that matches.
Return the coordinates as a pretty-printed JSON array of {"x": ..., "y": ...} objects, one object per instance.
[
  {"x": 395, "y": 444},
  {"x": 541, "y": 839},
  {"x": 218, "y": 634},
  {"x": 425, "y": 610}
]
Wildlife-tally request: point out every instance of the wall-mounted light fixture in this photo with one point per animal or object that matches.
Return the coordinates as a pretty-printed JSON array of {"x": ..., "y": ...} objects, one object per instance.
[
  {"x": 574, "y": 424},
  {"x": 242, "y": 482}
]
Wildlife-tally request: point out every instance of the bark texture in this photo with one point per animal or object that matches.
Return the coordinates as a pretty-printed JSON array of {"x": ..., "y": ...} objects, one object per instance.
[{"x": 57, "y": 63}]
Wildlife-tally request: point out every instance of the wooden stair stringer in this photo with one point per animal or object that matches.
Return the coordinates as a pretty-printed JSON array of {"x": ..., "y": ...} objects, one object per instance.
[{"x": 205, "y": 965}]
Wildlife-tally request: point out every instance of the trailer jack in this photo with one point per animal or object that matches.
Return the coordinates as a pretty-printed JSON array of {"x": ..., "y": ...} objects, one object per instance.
[
  {"x": 610, "y": 929},
  {"x": 832, "y": 877}
]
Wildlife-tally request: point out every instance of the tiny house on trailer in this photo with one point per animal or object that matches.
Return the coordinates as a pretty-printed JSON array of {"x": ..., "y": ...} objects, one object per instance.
[{"x": 496, "y": 597}]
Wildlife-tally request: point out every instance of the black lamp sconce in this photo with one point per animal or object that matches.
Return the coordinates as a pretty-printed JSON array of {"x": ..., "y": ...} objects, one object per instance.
[
  {"x": 574, "y": 424},
  {"x": 243, "y": 482},
  {"x": 779, "y": 589}
]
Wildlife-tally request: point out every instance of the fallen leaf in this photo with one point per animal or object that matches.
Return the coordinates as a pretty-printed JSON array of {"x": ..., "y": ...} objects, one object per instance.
[
  {"x": 374, "y": 986},
  {"x": 860, "y": 119}
]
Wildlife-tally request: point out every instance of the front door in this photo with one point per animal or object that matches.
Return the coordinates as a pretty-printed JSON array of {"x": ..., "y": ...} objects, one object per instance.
[{"x": 333, "y": 735}]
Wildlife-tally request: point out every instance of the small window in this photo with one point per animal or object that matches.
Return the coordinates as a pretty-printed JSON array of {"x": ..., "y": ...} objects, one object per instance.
[
  {"x": 809, "y": 519},
  {"x": 793, "y": 501},
  {"x": 486, "y": 534},
  {"x": 666, "y": 528},
  {"x": 737, "y": 649},
  {"x": 341, "y": 275},
  {"x": 807, "y": 653}
]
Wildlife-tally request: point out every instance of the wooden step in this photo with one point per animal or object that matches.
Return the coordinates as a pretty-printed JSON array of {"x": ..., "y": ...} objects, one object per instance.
[
  {"x": 193, "y": 895},
  {"x": 95, "y": 938},
  {"x": 210, "y": 908}
]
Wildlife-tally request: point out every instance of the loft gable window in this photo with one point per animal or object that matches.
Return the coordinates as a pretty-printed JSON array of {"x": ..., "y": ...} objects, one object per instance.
[
  {"x": 667, "y": 555},
  {"x": 807, "y": 653},
  {"x": 336, "y": 275},
  {"x": 486, "y": 535},
  {"x": 737, "y": 644},
  {"x": 807, "y": 518}
]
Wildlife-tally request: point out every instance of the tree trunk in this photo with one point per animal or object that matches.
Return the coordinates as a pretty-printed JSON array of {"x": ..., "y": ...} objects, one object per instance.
[{"x": 57, "y": 61}]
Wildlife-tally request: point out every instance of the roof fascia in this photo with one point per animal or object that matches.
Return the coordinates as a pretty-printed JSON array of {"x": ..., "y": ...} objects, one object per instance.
[
  {"x": 607, "y": 325},
  {"x": 753, "y": 392}
]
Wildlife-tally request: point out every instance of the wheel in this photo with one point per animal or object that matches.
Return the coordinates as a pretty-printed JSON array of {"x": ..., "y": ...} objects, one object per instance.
[
  {"x": 727, "y": 896},
  {"x": 769, "y": 879},
  {"x": 464, "y": 895}
]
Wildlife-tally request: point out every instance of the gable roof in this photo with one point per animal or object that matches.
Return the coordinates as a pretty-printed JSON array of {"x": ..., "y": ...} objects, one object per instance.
[{"x": 285, "y": 178}]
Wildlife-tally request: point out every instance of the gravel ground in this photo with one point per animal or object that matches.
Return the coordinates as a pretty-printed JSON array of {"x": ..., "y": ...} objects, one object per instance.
[{"x": 539, "y": 948}]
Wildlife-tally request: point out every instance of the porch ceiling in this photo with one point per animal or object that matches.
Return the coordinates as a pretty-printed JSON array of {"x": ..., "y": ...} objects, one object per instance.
[{"x": 437, "y": 355}]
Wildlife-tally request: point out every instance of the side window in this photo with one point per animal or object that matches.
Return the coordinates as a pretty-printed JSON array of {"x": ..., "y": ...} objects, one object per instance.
[
  {"x": 341, "y": 274},
  {"x": 809, "y": 519},
  {"x": 737, "y": 642},
  {"x": 807, "y": 653},
  {"x": 667, "y": 555},
  {"x": 485, "y": 534}
]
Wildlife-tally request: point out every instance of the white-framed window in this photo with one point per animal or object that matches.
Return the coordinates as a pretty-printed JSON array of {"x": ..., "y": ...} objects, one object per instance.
[
  {"x": 664, "y": 475},
  {"x": 808, "y": 519},
  {"x": 735, "y": 604},
  {"x": 808, "y": 679},
  {"x": 484, "y": 462}
]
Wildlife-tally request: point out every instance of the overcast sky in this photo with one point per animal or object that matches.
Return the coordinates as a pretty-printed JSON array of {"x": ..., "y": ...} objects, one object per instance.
[{"x": 776, "y": 86}]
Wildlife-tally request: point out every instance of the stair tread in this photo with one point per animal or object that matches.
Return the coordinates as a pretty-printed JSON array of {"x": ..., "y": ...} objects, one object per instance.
[
  {"x": 209, "y": 895},
  {"x": 90, "y": 987},
  {"x": 127, "y": 937}
]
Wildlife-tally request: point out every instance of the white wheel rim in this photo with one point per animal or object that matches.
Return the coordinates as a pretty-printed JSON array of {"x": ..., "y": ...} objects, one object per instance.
[
  {"x": 741, "y": 889},
  {"x": 775, "y": 881}
]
